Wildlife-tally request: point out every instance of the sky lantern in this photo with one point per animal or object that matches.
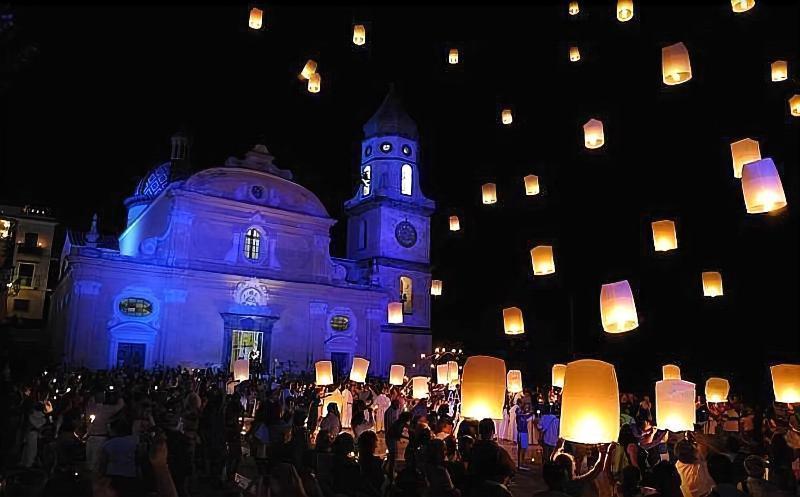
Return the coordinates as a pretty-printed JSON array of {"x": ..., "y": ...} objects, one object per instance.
[
  {"x": 786, "y": 382},
  {"x": 308, "y": 69},
  {"x": 436, "y": 287},
  {"x": 717, "y": 390},
  {"x": 670, "y": 372},
  {"x": 452, "y": 56},
  {"x": 712, "y": 284},
  {"x": 489, "y": 191},
  {"x": 455, "y": 224},
  {"x": 624, "y": 10},
  {"x": 397, "y": 374},
  {"x": 335, "y": 397},
  {"x": 512, "y": 321},
  {"x": 664, "y": 237},
  {"x": 617, "y": 307},
  {"x": 324, "y": 373},
  {"x": 483, "y": 387},
  {"x": 574, "y": 54},
  {"x": 779, "y": 70},
  {"x": 358, "y": 372},
  {"x": 531, "y": 184},
  {"x": 241, "y": 370},
  {"x": 452, "y": 372},
  {"x": 419, "y": 387},
  {"x": 675, "y": 408},
  {"x": 395, "y": 311},
  {"x": 593, "y": 136},
  {"x": 359, "y": 34},
  {"x": 314, "y": 83},
  {"x": 558, "y": 375},
  {"x": 542, "y": 260},
  {"x": 675, "y": 65},
  {"x": 742, "y": 152},
  {"x": 506, "y": 117},
  {"x": 573, "y": 8},
  {"x": 762, "y": 188},
  {"x": 442, "y": 374},
  {"x": 514, "y": 381},
  {"x": 590, "y": 403},
  {"x": 794, "y": 105},
  {"x": 256, "y": 19},
  {"x": 740, "y": 6}
]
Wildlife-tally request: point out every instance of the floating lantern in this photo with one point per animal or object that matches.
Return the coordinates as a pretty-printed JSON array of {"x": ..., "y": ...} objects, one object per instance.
[
  {"x": 740, "y": 6},
  {"x": 670, "y": 372},
  {"x": 794, "y": 105},
  {"x": 786, "y": 382},
  {"x": 675, "y": 408},
  {"x": 452, "y": 56},
  {"x": 531, "y": 184},
  {"x": 314, "y": 83},
  {"x": 590, "y": 403},
  {"x": 397, "y": 374},
  {"x": 395, "y": 310},
  {"x": 717, "y": 390},
  {"x": 324, "y": 373},
  {"x": 359, "y": 34},
  {"x": 309, "y": 69},
  {"x": 779, "y": 70},
  {"x": 455, "y": 224},
  {"x": 712, "y": 284},
  {"x": 452, "y": 372},
  {"x": 483, "y": 387},
  {"x": 574, "y": 54},
  {"x": 617, "y": 307},
  {"x": 358, "y": 372},
  {"x": 419, "y": 387},
  {"x": 442, "y": 374},
  {"x": 489, "y": 191},
  {"x": 436, "y": 287},
  {"x": 256, "y": 19},
  {"x": 624, "y": 10},
  {"x": 742, "y": 152},
  {"x": 241, "y": 370},
  {"x": 335, "y": 397},
  {"x": 762, "y": 188},
  {"x": 675, "y": 65},
  {"x": 573, "y": 8},
  {"x": 542, "y": 260},
  {"x": 559, "y": 370},
  {"x": 512, "y": 321},
  {"x": 506, "y": 117},
  {"x": 664, "y": 237},
  {"x": 593, "y": 136},
  {"x": 514, "y": 381}
]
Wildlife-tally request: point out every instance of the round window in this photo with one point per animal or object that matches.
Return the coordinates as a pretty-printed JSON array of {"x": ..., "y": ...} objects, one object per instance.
[
  {"x": 257, "y": 191},
  {"x": 406, "y": 150},
  {"x": 386, "y": 147},
  {"x": 368, "y": 150},
  {"x": 136, "y": 307},
  {"x": 340, "y": 322}
]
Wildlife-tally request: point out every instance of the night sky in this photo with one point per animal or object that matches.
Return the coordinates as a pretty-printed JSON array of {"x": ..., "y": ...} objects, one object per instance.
[{"x": 101, "y": 89}]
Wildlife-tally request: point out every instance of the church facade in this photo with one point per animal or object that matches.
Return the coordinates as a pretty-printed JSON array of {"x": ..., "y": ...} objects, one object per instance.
[{"x": 233, "y": 262}]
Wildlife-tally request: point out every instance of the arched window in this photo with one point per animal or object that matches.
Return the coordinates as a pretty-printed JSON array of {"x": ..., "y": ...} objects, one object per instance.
[
  {"x": 407, "y": 294},
  {"x": 252, "y": 244},
  {"x": 366, "y": 180},
  {"x": 362, "y": 235},
  {"x": 406, "y": 179}
]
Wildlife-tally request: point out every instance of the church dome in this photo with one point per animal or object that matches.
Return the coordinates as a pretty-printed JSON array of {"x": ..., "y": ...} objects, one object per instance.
[
  {"x": 391, "y": 119},
  {"x": 154, "y": 181}
]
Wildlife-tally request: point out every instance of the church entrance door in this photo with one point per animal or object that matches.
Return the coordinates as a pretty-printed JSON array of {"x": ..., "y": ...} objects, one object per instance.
[
  {"x": 130, "y": 355},
  {"x": 246, "y": 344},
  {"x": 342, "y": 363}
]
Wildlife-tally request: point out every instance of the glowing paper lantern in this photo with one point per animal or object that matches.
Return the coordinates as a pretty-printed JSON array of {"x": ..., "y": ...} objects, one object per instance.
[
  {"x": 762, "y": 188},
  {"x": 358, "y": 372},
  {"x": 717, "y": 390},
  {"x": 395, "y": 310},
  {"x": 712, "y": 284},
  {"x": 419, "y": 387},
  {"x": 779, "y": 70},
  {"x": 593, "y": 136},
  {"x": 590, "y": 403},
  {"x": 786, "y": 382},
  {"x": 241, "y": 370},
  {"x": 617, "y": 307},
  {"x": 452, "y": 372},
  {"x": 483, "y": 387},
  {"x": 675, "y": 65},
  {"x": 436, "y": 287},
  {"x": 794, "y": 105},
  {"x": 531, "y": 184},
  {"x": 514, "y": 381},
  {"x": 574, "y": 54},
  {"x": 309, "y": 69},
  {"x": 675, "y": 409},
  {"x": 397, "y": 374},
  {"x": 542, "y": 260},
  {"x": 256, "y": 19},
  {"x": 512, "y": 321},
  {"x": 740, "y": 6},
  {"x": 624, "y": 10},
  {"x": 559, "y": 370},
  {"x": 314, "y": 83},
  {"x": 335, "y": 397},
  {"x": 359, "y": 34},
  {"x": 442, "y": 374},
  {"x": 506, "y": 117},
  {"x": 742, "y": 152},
  {"x": 324, "y": 373},
  {"x": 664, "y": 237},
  {"x": 670, "y": 372},
  {"x": 489, "y": 191},
  {"x": 573, "y": 8},
  {"x": 455, "y": 224},
  {"x": 452, "y": 56}
]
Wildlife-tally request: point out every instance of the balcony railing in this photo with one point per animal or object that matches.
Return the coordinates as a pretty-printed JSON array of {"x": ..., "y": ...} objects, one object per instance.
[{"x": 30, "y": 250}]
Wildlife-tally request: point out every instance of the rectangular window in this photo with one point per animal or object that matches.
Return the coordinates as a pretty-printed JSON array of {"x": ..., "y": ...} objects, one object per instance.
[
  {"x": 31, "y": 239},
  {"x": 362, "y": 235},
  {"x": 25, "y": 273},
  {"x": 22, "y": 305}
]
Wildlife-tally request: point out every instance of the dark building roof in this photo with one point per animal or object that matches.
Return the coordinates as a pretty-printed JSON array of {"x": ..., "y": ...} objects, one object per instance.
[{"x": 391, "y": 119}]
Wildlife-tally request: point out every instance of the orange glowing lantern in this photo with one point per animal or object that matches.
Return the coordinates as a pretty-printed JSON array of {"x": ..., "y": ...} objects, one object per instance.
[
  {"x": 395, "y": 310},
  {"x": 335, "y": 397},
  {"x": 574, "y": 54},
  {"x": 712, "y": 284},
  {"x": 309, "y": 69},
  {"x": 359, "y": 34},
  {"x": 762, "y": 187},
  {"x": 489, "y": 192},
  {"x": 740, "y": 6},
  {"x": 324, "y": 371},
  {"x": 455, "y": 224},
  {"x": 670, "y": 372},
  {"x": 779, "y": 70},
  {"x": 664, "y": 237},
  {"x": 675, "y": 65},
  {"x": 452, "y": 372},
  {"x": 593, "y": 136},
  {"x": 436, "y": 287},
  {"x": 617, "y": 307},
  {"x": 624, "y": 10},
  {"x": 717, "y": 390},
  {"x": 675, "y": 408},
  {"x": 590, "y": 403},
  {"x": 559, "y": 370},
  {"x": 419, "y": 387},
  {"x": 397, "y": 374},
  {"x": 514, "y": 381},
  {"x": 256, "y": 19},
  {"x": 506, "y": 117},
  {"x": 542, "y": 260},
  {"x": 786, "y": 382},
  {"x": 314, "y": 83},
  {"x": 794, "y": 105},
  {"x": 573, "y": 8},
  {"x": 442, "y": 374},
  {"x": 452, "y": 56},
  {"x": 358, "y": 372},
  {"x": 483, "y": 387},
  {"x": 512, "y": 321},
  {"x": 742, "y": 152},
  {"x": 531, "y": 184},
  {"x": 241, "y": 370}
]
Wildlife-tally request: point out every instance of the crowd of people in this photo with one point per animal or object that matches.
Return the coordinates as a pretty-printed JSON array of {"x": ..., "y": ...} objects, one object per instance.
[{"x": 172, "y": 432}]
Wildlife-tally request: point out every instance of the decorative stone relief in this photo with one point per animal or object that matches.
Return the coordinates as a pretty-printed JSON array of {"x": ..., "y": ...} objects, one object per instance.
[{"x": 251, "y": 293}]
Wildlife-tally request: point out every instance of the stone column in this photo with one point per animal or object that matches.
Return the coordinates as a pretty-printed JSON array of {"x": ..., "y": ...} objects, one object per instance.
[
  {"x": 317, "y": 332},
  {"x": 375, "y": 318},
  {"x": 82, "y": 316},
  {"x": 171, "y": 312},
  {"x": 181, "y": 227}
]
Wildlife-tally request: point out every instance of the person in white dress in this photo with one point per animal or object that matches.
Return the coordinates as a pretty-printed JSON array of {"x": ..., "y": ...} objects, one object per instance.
[
  {"x": 347, "y": 412},
  {"x": 382, "y": 403}
]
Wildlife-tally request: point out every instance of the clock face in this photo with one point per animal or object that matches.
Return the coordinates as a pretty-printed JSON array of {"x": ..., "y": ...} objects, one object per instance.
[{"x": 406, "y": 234}]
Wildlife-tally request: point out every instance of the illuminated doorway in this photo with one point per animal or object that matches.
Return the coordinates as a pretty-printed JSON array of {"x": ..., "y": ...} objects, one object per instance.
[{"x": 246, "y": 344}]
